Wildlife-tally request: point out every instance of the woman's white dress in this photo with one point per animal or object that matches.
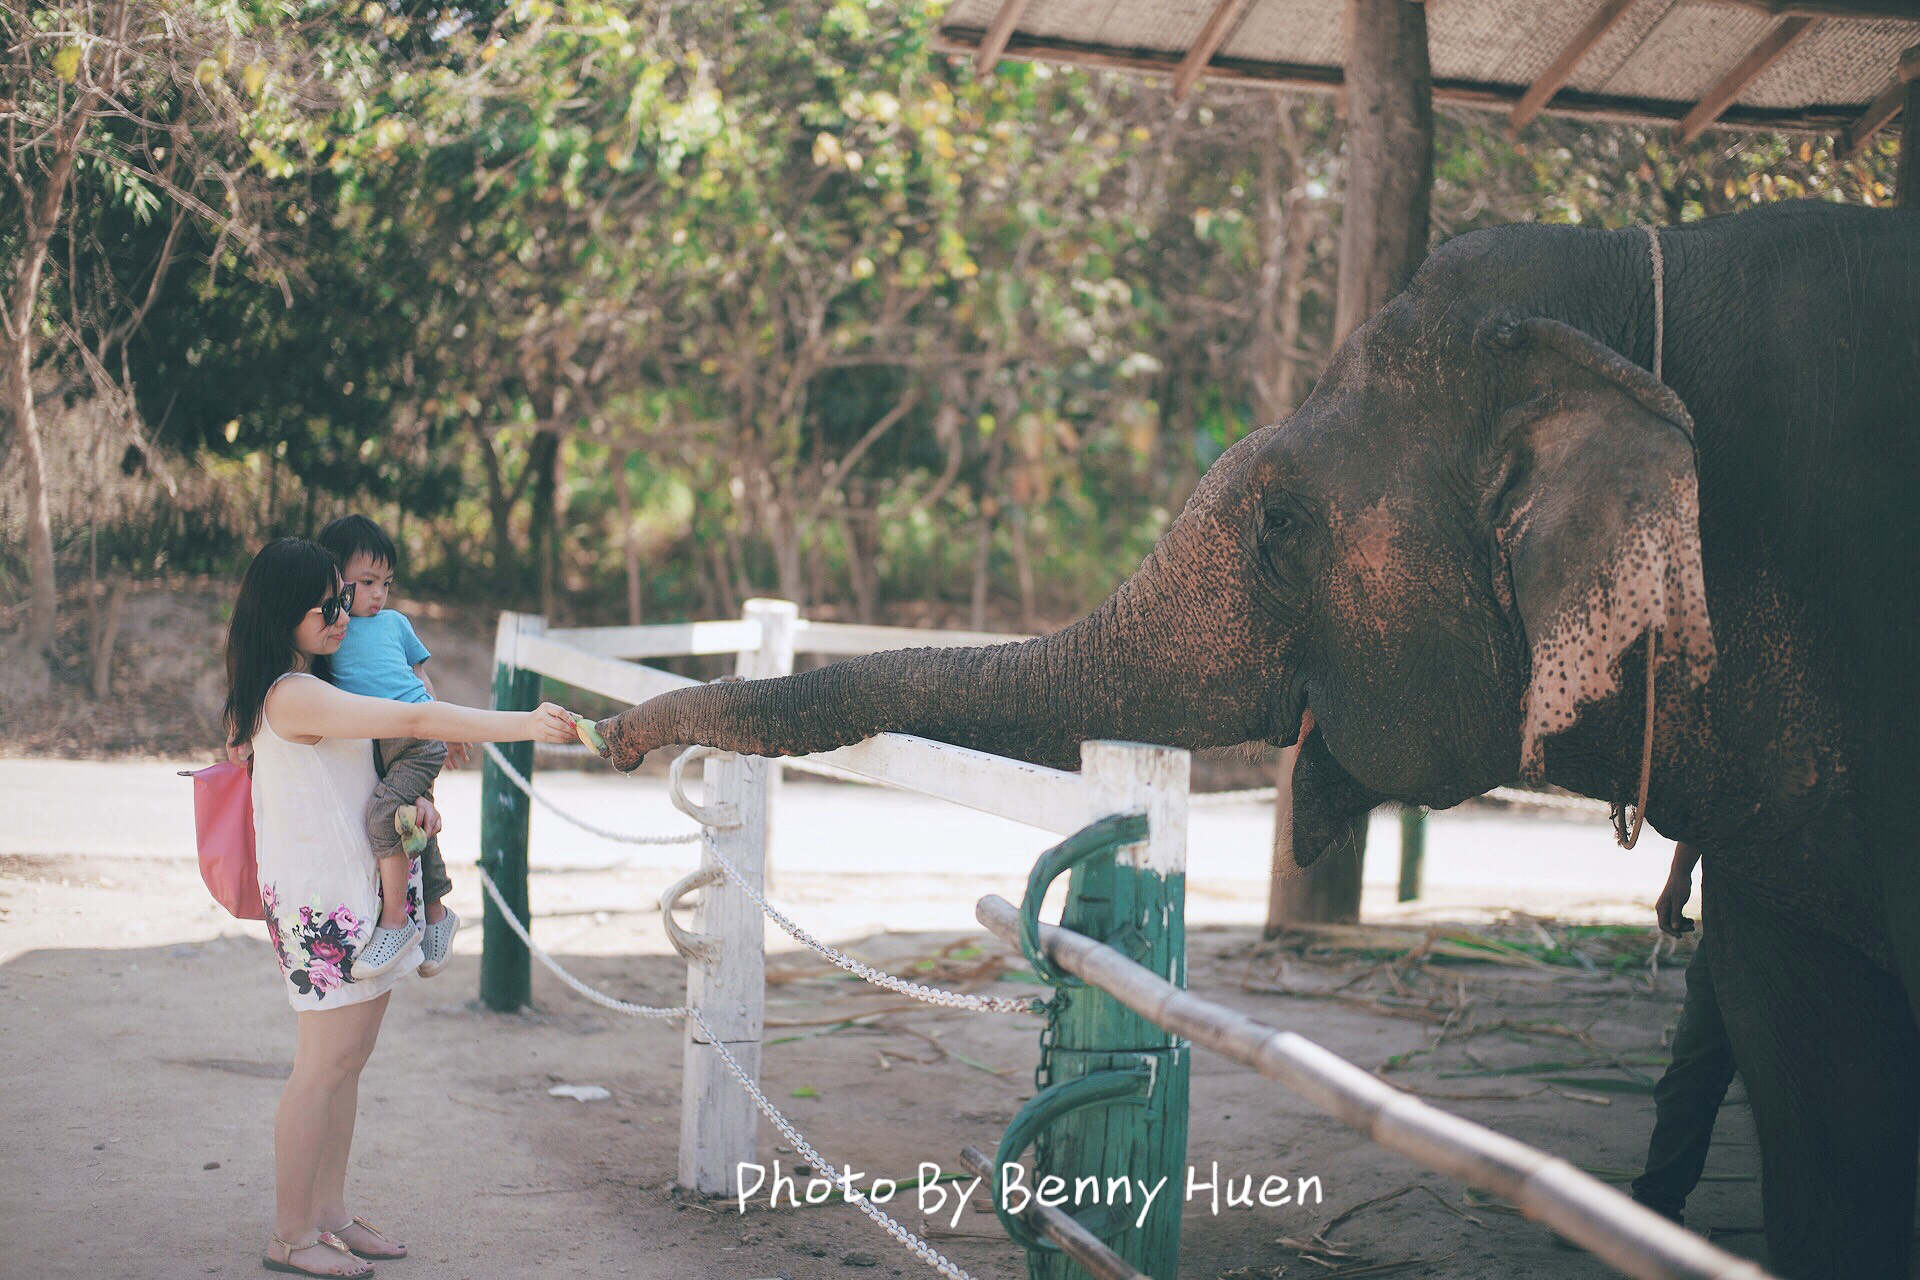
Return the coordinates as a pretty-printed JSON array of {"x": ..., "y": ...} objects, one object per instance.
[{"x": 318, "y": 881}]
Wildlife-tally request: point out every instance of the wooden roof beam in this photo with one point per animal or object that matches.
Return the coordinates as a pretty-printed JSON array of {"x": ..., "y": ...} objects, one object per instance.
[
  {"x": 1906, "y": 178},
  {"x": 965, "y": 42},
  {"x": 1220, "y": 25},
  {"x": 1878, "y": 114},
  {"x": 1562, "y": 68},
  {"x": 1758, "y": 59},
  {"x": 1871, "y": 9},
  {"x": 999, "y": 31}
]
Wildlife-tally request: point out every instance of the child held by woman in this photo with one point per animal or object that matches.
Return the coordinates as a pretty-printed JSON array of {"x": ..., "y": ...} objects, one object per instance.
[{"x": 381, "y": 657}]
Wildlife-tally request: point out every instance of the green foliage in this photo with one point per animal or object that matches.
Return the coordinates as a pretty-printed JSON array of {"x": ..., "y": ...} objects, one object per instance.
[{"x": 846, "y": 321}]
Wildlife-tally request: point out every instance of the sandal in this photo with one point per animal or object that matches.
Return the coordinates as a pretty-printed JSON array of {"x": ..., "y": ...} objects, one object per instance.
[
  {"x": 377, "y": 1233},
  {"x": 326, "y": 1238}
]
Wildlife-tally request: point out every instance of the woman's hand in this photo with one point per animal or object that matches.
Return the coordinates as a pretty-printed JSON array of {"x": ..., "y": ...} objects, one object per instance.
[
  {"x": 458, "y": 753},
  {"x": 551, "y": 723},
  {"x": 427, "y": 817}
]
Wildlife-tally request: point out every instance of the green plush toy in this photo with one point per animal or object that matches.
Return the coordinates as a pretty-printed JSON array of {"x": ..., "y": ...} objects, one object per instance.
[{"x": 406, "y": 820}]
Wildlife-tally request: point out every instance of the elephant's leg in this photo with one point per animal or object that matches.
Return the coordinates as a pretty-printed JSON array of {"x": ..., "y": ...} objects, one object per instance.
[{"x": 1826, "y": 1045}]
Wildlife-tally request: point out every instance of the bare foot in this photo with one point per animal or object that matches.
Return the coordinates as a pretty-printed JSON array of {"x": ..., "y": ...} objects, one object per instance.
[
  {"x": 319, "y": 1258},
  {"x": 366, "y": 1240}
]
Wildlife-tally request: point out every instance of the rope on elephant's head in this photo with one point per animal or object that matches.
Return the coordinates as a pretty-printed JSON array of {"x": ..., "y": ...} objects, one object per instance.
[{"x": 1627, "y": 839}]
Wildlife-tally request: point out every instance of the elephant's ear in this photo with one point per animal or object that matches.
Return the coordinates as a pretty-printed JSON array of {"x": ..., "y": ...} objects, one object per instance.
[{"x": 1598, "y": 521}]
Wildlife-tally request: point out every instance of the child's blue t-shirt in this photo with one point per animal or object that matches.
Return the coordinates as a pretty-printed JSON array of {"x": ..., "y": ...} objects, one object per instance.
[{"x": 377, "y": 657}]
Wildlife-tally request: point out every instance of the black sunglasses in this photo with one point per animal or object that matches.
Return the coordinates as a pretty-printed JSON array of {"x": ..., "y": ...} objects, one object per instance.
[{"x": 333, "y": 606}]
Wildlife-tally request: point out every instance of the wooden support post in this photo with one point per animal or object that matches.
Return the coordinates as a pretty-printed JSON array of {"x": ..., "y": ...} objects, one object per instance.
[
  {"x": 506, "y": 973},
  {"x": 1383, "y": 216},
  {"x": 1383, "y": 238},
  {"x": 1906, "y": 182},
  {"x": 1328, "y": 892},
  {"x": 717, "y": 1119},
  {"x": 779, "y": 622},
  {"x": 1113, "y": 1099},
  {"x": 1413, "y": 849}
]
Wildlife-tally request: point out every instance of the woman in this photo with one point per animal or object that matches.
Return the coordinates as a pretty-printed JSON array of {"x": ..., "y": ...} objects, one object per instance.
[{"x": 312, "y": 776}]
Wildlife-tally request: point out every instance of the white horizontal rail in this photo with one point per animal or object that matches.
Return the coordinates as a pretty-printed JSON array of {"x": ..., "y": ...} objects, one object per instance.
[
  {"x": 1050, "y": 799},
  {"x": 596, "y": 672},
  {"x": 852, "y": 638},
  {"x": 666, "y": 640}
]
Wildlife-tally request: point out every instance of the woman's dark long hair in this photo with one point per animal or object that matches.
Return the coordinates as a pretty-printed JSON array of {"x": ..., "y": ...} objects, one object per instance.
[{"x": 286, "y": 579}]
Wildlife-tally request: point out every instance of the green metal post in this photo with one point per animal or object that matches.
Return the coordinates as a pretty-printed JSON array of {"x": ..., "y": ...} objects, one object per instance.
[
  {"x": 1113, "y": 1087},
  {"x": 506, "y": 972},
  {"x": 1413, "y": 850}
]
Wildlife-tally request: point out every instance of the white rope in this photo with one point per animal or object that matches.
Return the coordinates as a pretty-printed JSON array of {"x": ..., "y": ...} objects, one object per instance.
[
  {"x": 1212, "y": 799},
  {"x": 821, "y": 1165},
  {"x": 1540, "y": 800},
  {"x": 606, "y": 833},
  {"x": 1659, "y": 298},
  {"x": 879, "y": 978},
  {"x": 1505, "y": 795},
  {"x": 600, "y": 998}
]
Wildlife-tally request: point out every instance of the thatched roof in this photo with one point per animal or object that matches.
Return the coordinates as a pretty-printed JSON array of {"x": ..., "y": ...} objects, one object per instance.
[{"x": 1814, "y": 65}]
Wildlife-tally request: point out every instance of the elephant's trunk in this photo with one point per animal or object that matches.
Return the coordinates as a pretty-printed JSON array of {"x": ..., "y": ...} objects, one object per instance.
[
  {"x": 1174, "y": 657},
  {"x": 999, "y": 699}
]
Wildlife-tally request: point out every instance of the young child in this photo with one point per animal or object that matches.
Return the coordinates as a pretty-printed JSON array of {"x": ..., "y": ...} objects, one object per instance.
[{"x": 383, "y": 658}]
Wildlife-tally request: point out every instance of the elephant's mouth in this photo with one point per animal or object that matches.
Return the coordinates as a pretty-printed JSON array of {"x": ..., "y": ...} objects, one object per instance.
[{"x": 1327, "y": 800}]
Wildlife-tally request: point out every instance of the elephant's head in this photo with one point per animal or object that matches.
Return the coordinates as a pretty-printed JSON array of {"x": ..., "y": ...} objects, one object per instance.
[{"x": 1431, "y": 568}]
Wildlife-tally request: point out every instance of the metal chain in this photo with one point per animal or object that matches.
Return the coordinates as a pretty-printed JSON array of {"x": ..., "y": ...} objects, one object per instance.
[
  {"x": 520, "y": 780},
  {"x": 879, "y": 978},
  {"x": 920, "y": 1248}
]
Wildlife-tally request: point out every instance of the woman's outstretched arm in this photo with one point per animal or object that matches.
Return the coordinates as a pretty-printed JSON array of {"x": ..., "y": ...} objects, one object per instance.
[{"x": 315, "y": 709}]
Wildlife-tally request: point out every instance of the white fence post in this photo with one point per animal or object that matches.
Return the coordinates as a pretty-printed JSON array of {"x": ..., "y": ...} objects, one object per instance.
[
  {"x": 717, "y": 1118},
  {"x": 778, "y": 621},
  {"x": 1133, "y": 778}
]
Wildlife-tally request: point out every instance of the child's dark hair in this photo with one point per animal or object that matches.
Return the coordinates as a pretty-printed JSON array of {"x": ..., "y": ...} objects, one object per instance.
[
  {"x": 286, "y": 579},
  {"x": 351, "y": 535}
]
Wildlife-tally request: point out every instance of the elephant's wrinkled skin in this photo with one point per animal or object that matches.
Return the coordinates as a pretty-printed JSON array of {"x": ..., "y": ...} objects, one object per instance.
[{"x": 1454, "y": 553}]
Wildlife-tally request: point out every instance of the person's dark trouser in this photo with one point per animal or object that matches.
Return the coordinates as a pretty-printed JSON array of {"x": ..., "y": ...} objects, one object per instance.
[
  {"x": 1688, "y": 1097},
  {"x": 407, "y": 767}
]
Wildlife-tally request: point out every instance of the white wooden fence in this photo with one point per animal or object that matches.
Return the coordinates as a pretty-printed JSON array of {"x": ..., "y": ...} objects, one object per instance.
[{"x": 726, "y": 958}]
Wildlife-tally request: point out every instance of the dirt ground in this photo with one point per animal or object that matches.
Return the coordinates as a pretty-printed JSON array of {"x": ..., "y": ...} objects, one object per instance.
[{"x": 144, "y": 1039}]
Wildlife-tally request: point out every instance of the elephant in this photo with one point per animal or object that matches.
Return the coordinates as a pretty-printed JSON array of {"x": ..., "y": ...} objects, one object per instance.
[{"x": 1492, "y": 546}]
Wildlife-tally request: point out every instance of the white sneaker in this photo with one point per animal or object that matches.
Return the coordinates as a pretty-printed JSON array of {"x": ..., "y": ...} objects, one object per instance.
[
  {"x": 385, "y": 949},
  {"x": 438, "y": 944}
]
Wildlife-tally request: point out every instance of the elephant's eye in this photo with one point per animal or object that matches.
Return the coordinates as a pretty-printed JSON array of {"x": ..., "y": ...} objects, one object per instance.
[{"x": 1278, "y": 523}]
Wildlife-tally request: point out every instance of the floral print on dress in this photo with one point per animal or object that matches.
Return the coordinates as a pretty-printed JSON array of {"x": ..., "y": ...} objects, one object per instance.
[{"x": 318, "y": 956}]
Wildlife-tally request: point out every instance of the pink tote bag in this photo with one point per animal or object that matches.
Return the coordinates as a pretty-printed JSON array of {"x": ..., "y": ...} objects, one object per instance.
[{"x": 223, "y": 821}]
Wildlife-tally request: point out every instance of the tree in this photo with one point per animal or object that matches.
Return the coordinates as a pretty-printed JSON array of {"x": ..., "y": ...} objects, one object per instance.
[{"x": 173, "y": 112}]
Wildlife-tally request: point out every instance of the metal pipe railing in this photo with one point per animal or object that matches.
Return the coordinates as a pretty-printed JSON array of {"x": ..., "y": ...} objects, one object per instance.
[{"x": 1625, "y": 1235}]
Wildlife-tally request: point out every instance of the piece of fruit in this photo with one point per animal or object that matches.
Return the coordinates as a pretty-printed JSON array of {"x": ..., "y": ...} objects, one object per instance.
[
  {"x": 588, "y": 734},
  {"x": 406, "y": 820}
]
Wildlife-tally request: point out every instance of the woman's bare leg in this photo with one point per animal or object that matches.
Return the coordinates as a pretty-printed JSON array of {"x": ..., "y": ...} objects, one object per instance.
[
  {"x": 393, "y": 890},
  {"x": 330, "y": 1179},
  {"x": 328, "y": 1051}
]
